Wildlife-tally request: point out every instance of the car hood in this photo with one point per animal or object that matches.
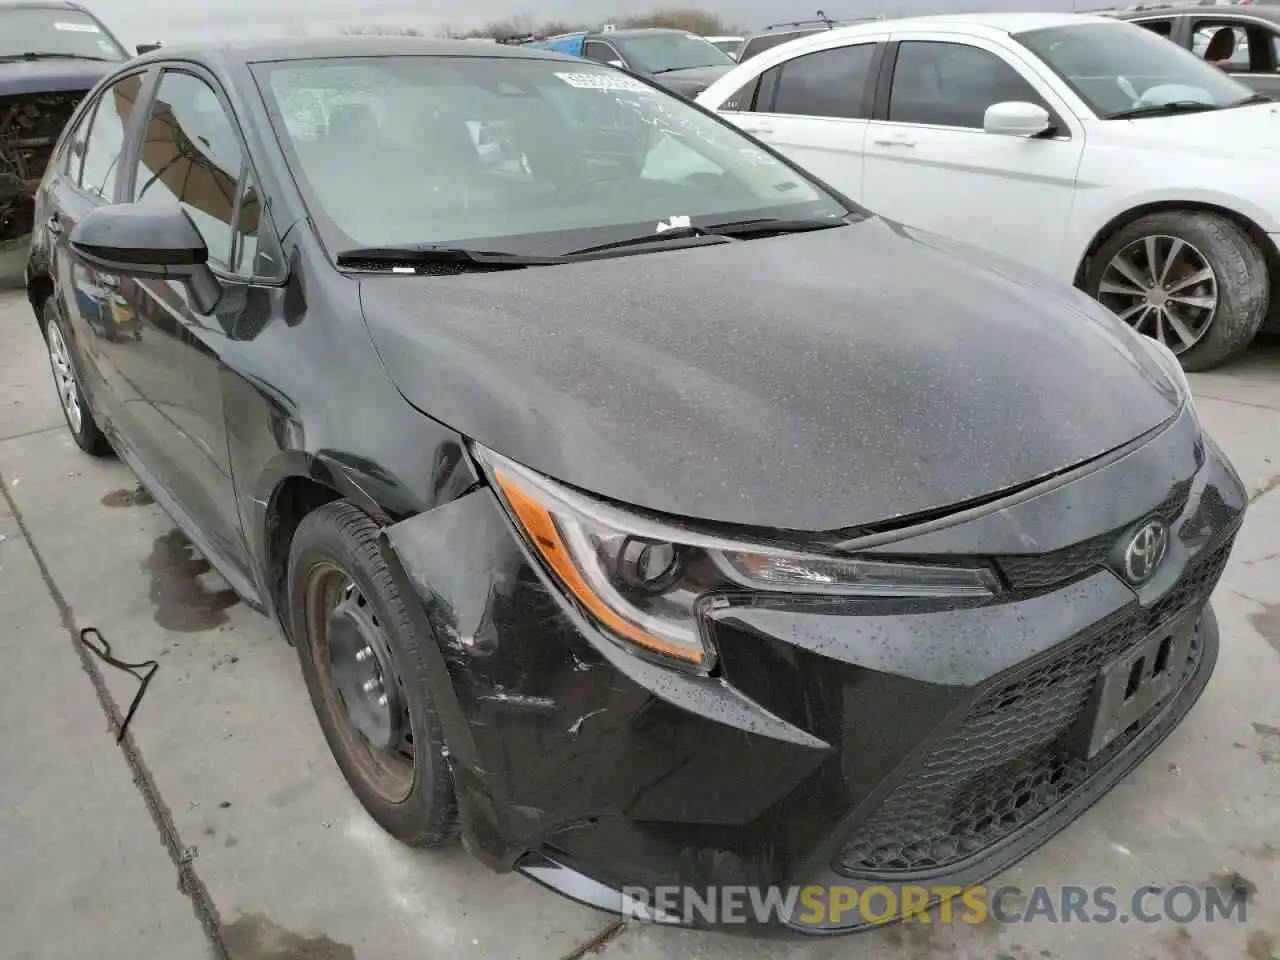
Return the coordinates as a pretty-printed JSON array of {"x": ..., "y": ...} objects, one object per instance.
[
  {"x": 1213, "y": 132},
  {"x": 50, "y": 76},
  {"x": 811, "y": 382},
  {"x": 691, "y": 80}
]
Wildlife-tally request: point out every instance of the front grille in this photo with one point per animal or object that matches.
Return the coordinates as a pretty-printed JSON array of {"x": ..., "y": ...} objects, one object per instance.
[
  {"x": 1040, "y": 570},
  {"x": 29, "y": 128},
  {"x": 1009, "y": 762}
]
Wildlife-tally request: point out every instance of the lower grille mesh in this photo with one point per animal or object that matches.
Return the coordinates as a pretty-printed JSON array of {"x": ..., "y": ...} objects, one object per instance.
[{"x": 1008, "y": 763}]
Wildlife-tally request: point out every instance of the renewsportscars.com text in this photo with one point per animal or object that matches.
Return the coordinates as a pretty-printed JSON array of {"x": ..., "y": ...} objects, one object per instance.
[{"x": 850, "y": 907}]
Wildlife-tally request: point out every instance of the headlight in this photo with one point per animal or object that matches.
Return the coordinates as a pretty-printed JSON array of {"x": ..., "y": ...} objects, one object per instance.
[{"x": 645, "y": 581}]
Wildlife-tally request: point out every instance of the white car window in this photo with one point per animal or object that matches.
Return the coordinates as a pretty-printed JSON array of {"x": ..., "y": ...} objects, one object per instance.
[
  {"x": 951, "y": 84},
  {"x": 829, "y": 83}
]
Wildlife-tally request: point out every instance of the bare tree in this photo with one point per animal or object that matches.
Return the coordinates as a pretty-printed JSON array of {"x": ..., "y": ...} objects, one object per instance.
[
  {"x": 378, "y": 30},
  {"x": 679, "y": 18}
]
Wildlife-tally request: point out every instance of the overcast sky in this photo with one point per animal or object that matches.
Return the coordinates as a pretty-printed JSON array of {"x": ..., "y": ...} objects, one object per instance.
[{"x": 173, "y": 20}]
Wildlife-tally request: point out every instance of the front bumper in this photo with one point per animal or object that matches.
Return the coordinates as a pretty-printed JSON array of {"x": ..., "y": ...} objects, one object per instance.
[{"x": 850, "y": 743}]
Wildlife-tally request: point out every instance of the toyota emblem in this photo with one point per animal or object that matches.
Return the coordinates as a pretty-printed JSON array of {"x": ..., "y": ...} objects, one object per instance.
[{"x": 1145, "y": 551}]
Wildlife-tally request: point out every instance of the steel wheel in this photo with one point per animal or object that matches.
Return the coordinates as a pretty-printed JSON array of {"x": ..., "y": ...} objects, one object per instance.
[
  {"x": 1163, "y": 287},
  {"x": 359, "y": 680},
  {"x": 64, "y": 378}
]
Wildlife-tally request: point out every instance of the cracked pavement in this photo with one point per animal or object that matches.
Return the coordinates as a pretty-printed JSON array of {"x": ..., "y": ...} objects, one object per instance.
[{"x": 222, "y": 828}]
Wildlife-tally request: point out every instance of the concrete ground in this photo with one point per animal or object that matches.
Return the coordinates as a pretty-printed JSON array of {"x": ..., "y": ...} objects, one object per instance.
[{"x": 224, "y": 820}]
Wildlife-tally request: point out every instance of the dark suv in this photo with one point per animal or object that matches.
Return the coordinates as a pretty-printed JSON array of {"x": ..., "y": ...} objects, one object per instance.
[{"x": 51, "y": 53}]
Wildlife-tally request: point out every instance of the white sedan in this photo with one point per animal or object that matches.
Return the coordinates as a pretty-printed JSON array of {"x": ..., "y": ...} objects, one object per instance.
[{"x": 1085, "y": 147}]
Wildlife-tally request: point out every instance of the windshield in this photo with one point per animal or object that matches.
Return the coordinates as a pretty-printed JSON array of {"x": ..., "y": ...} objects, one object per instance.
[
  {"x": 660, "y": 52},
  {"x": 67, "y": 32},
  {"x": 530, "y": 156},
  {"x": 1118, "y": 67}
]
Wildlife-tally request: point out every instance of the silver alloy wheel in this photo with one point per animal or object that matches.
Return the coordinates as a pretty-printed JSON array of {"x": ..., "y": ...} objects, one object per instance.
[
  {"x": 1163, "y": 287},
  {"x": 64, "y": 377}
]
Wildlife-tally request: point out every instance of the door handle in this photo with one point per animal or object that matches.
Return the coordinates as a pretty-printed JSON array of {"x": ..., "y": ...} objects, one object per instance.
[
  {"x": 759, "y": 129},
  {"x": 898, "y": 141}
]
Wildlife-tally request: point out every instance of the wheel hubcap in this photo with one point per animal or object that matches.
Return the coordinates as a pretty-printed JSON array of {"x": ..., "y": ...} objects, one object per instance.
[
  {"x": 359, "y": 681},
  {"x": 64, "y": 378},
  {"x": 1163, "y": 287},
  {"x": 360, "y": 665}
]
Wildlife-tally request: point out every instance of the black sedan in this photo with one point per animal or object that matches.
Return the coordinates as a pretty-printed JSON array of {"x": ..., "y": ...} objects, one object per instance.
[{"x": 637, "y": 505}]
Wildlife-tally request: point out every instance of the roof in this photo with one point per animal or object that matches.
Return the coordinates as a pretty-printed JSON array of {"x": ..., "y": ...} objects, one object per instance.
[
  {"x": 259, "y": 51},
  {"x": 40, "y": 5},
  {"x": 968, "y": 23},
  {"x": 637, "y": 32},
  {"x": 1224, "y": 11}
]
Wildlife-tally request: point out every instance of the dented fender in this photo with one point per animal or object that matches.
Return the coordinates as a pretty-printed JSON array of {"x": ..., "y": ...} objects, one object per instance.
[{"x": 551, "y": 725}]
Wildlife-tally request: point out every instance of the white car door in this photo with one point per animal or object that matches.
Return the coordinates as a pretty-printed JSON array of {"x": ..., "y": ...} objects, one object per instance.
[
  {"x": 813, "y": 109},
  {"x": 930, "y": 164}
]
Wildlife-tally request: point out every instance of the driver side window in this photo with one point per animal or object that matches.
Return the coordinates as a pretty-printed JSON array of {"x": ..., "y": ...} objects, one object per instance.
[
  {"x": 951, "y": 85},
  {"x": 191, "y": 156}
]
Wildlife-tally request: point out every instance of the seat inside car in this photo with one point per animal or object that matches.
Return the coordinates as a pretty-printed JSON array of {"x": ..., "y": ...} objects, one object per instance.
[{"x": 1222, "y": 46}]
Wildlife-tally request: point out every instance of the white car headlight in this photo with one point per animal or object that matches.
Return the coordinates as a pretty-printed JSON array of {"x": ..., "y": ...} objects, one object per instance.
[{"x": 644, "y": 581}]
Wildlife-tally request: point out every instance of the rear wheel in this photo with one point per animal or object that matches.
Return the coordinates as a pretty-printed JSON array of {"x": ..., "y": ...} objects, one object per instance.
[
  {"x": 1194, "y": 280},
  {"x": 84, "y": 429},
  {"x": 367, "y": 676}
]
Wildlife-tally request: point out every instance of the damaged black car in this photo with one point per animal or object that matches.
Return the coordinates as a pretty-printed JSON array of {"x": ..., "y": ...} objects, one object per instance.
[
  {"x": 640, "y": 508},
  {"x": 51, "y": 53}
]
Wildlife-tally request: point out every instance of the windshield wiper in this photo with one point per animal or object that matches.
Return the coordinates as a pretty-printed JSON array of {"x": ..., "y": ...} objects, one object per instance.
[
  {"x": 416, "y": 255},
  {"x": 1252, "y": 99},
  {"x": 689, "y": 66},
  {"x": 731, "y": 230},
  {"x": 49, "y": 55},
  {"x": 666, "y": 236},
  {"x": 767, "y": 225},
  {"x": 1165, "y": 109}
]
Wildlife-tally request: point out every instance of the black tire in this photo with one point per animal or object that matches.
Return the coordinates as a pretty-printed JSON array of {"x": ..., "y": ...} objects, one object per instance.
[
  {"x": 340, "y": 535},
  {"x": 87, "y": 435},
  {"x": 1239, "y": 267}
]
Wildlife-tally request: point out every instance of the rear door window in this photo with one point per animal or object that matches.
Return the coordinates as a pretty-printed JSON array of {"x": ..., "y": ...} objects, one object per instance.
[
  {"x": 829, "y": 83},
  {"x": 1163, "y": 28},
  {"x": 104, "y": 143}
]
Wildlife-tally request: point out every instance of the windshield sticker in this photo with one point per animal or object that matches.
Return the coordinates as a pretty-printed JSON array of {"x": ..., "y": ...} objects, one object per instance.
[
  {"x": 603, "y": 81},
  {"x": 77, "y": 27},
  {"x": 677, "y": 223}
]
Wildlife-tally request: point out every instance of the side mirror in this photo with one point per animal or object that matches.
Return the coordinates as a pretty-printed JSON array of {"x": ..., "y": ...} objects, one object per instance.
[
  {"x": 133, "y": 240},
  {"x": 1016, "y": 119},
  {"x": 148, "y": 47}
]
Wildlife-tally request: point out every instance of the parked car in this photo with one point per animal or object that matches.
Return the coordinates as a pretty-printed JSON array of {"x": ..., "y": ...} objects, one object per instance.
[
  {"x": 1078, "y": 145},
  {"x": 682, "y": 62},
  {"x": 1242, "y": 40},
  {"x": 729, "y": 45},
  {"x": 777, "y": 34},
  {"x": 640, "y": 519},
  {"x": 51, "y": 53}
]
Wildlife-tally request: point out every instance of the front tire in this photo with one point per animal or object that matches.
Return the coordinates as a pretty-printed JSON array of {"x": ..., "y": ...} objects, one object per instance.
[
  {"x": 1195, "y": 280},
  {"x": 84, "y": 429},
  {"x": 367, "y": 675}
]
